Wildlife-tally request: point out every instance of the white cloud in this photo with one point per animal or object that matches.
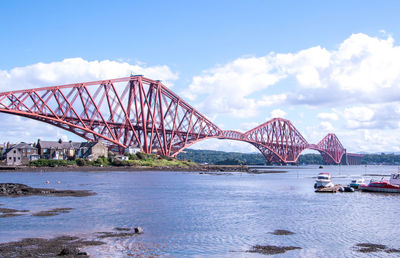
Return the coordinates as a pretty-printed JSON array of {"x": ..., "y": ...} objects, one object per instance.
[
  {"x": 362, "y": 69},
  {"x": 277, "y": 113},
  {"x": 305, "y": 65},
  {"x": 378, "y": 116},
  {"x": 271, "y": 100},
  {"x": 326, "y": 126},
  {"x": 328, "y": 116},
  {"x": 15, "y": 130},
  {"x": 359, "y": 113},
  {"x": 224, "y": 145},
  {"x": 370, "y": 140},
  {"x": 248, "y": 126},
  {"x": 73, "y": 70},
  {"x": 227, "y": 87}
]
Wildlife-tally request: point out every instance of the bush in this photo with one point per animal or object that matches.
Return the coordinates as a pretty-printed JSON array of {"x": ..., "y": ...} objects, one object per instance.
[
  {"x": 117, "y": 163},
  {"x": 51, "y": 163},
  {"x": 141, "y": 155},
  {"x": 132, "y": 157},
  {"x": 101, "y": 162},
  {"x": 80, "y": 162}
]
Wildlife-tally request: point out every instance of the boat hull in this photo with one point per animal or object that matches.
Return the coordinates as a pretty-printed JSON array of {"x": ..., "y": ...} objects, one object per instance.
[{"x": 366, "y": 188}]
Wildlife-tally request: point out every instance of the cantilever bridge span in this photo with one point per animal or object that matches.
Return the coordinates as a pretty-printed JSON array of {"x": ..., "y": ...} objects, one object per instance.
[{"x": 137, "y": 111}]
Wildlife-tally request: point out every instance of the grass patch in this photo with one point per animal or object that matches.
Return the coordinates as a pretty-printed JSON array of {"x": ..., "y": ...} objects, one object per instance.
[{"x": 138, "y": 159}]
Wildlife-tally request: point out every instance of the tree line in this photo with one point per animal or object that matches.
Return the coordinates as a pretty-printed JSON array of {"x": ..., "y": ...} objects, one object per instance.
[{"x": 236, "y": 158}]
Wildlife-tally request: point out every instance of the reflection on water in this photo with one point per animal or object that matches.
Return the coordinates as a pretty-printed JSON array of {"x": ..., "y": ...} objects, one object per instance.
[{"x": 192, "y": 214}]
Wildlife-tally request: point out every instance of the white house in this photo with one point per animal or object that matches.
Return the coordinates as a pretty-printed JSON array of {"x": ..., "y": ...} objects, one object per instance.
[{"x": 132, "y": 150}]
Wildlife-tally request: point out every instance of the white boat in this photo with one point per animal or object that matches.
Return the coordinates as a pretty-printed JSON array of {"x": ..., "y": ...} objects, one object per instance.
[
  {"x": 391, "y": 186},
  {"x": 323, "y": 180},
  {"x": 355, "y": 183}
]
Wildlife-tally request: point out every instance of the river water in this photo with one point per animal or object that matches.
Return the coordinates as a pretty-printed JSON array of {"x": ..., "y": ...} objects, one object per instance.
[{"x": 186, "y": 214}]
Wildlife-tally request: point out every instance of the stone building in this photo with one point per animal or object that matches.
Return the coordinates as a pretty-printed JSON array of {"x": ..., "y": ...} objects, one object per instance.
[
  {"x": 20, "y": 154},
  {"x": 57, "y": 150},
  {"x": 92, "y": 150}
]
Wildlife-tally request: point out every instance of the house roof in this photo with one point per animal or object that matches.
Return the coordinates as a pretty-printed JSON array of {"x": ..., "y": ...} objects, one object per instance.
[
  {"x": 21, "y": 145},
  {"x": 59, "y": 145},
  {"x": 88, "y": 144}
]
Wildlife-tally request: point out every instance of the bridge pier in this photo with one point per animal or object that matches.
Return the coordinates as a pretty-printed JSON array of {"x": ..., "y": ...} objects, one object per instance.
[{"x": 351, "y": 159}]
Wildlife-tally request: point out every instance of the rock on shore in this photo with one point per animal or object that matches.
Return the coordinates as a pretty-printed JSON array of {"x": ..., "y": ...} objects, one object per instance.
[
  {"x": 66, "y": 246},
  {"x": 15, "y": 190}
]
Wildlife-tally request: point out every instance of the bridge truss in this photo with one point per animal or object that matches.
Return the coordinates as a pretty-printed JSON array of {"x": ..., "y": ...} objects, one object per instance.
[{"x": 137, "y": 111}]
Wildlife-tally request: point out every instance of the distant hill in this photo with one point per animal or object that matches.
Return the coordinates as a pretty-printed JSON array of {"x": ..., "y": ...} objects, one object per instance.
[
  {"x": 236, "y": 158},
  {"x": 222, "y": 157}
]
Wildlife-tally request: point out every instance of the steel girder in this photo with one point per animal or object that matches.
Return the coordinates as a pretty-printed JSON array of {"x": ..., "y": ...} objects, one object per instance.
[
  {"x": 144, "y": 113},
  {"x": 331, "y": 149},
  {"x": 277, "y": 139},
  {"x": 280, "y": 142}
]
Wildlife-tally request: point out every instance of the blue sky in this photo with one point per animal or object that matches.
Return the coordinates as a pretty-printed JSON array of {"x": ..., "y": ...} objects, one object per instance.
[{"x": 313, "y": 62}]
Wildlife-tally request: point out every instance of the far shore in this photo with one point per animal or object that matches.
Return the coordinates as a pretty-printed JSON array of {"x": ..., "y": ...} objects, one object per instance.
[{"x": 199, "y": 168}]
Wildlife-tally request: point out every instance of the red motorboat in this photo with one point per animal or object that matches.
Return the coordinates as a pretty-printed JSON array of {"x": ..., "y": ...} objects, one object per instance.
[{"x": 385, "y": 186}]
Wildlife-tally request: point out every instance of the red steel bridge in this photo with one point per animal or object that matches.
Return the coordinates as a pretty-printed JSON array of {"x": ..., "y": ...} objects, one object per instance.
[{"x": 137, "y": 111}]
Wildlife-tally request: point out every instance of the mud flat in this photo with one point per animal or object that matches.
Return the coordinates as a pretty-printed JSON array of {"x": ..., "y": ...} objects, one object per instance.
[
  {"x": 17, "y": 190},
  {"x": 373, "y": 248},
  {"x": 52, "y": 212},
  {"x": 281, "y": 232},
  {"x": 5, "y": 212},
  {"x": 66, "y": 246},
  {"x": 272, "y": 249}
]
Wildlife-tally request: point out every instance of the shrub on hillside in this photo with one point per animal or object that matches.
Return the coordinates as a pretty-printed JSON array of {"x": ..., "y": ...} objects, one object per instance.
[
  {"x": 141, "y": 155},
  {"x": 101, "y": 162},
  {"x": 51, "y": 163}
]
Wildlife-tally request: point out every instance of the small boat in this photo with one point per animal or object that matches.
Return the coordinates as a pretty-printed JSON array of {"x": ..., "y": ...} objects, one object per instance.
[
  {"x": 391, "y": 186},
  {"x": 346, "y": 189},
  {"x": 323, "y": 180},
  {"x": 355, "y": 183}
]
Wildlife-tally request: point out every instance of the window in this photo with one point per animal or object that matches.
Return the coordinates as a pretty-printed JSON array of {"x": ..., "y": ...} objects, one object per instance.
[
  {"x": 19, "y": 158},
  {"x": 15, "y": 151},
  {"x": 9, "y": 158}
]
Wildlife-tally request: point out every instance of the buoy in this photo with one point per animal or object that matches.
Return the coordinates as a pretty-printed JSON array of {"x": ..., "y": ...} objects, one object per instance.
[{"x": 47, "y": 182}]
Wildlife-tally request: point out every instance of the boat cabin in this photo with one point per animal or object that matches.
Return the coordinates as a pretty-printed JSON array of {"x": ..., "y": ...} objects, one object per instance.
[
  {"x": 395, "y": 179},
  {"x": 324, "y": 176}
]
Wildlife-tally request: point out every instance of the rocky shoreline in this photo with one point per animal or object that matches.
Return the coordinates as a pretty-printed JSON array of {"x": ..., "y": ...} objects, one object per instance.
[
  {"x": 16, "y": 190},
  {"x": 65, "y": 246},
  {"x": 200, "y": 168},
  {"x": 207, "y": 168}
]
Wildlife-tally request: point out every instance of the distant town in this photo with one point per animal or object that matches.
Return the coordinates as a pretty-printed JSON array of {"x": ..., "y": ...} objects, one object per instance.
[{"x": 26, "y": 153}]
